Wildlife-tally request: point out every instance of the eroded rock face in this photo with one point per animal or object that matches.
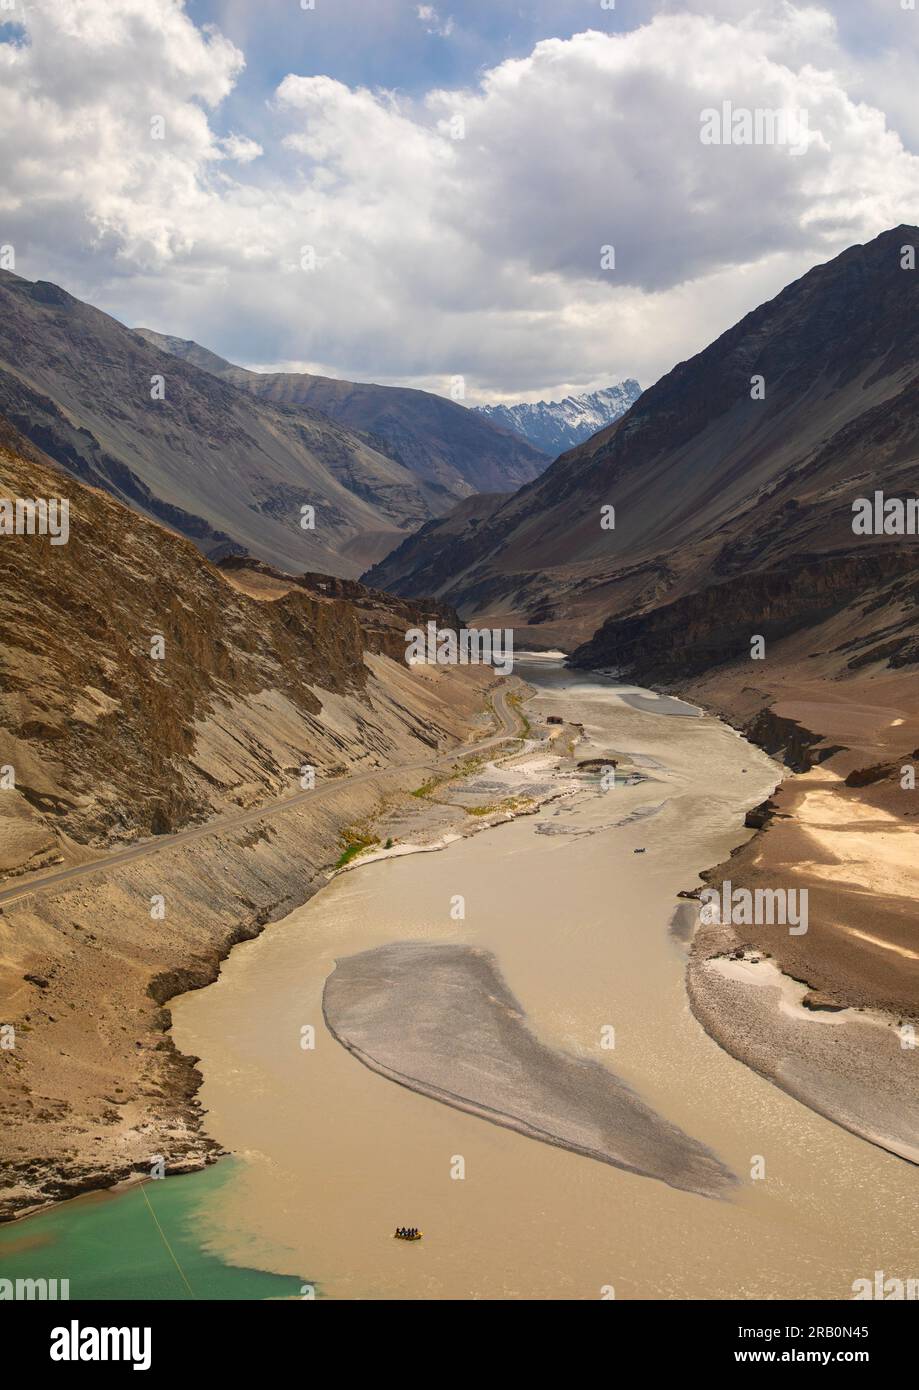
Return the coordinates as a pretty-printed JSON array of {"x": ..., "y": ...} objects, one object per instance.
[
  {"x": 109, "y": 743},
  {"x": 103, "y": 736},
  {"x": 383, "y": 618},
  {"x": 714, "y": 625},
  {"x": 441, "y": 1020}
]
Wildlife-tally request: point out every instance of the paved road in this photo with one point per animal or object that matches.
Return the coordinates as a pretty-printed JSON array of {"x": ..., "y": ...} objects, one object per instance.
[{"x": 508, "y": 719}]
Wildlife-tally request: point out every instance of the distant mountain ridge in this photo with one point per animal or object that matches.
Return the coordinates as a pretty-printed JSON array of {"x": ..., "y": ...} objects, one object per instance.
[
  {"x": 193, "y": 452},
  {"x": 556, "y": 426},
  {"x": 452, "y": 450}
]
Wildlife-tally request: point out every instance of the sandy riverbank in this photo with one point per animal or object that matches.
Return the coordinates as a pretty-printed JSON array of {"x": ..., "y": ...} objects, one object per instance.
[
  {"x": 848, "y": 1065},
  {"x": 846, "y": 829}
]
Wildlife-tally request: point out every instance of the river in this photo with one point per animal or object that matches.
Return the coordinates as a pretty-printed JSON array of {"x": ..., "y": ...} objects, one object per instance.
[
  {"x": 337, "y": 1156},
  {"x": 329, "y": 1156}
]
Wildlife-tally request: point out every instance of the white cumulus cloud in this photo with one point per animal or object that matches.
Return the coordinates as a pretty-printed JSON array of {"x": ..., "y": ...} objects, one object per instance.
[{"x": 372, "y": 236}]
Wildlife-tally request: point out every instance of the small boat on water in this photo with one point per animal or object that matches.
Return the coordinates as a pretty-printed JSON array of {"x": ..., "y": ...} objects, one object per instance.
[{"x": 407, "y": 1233}]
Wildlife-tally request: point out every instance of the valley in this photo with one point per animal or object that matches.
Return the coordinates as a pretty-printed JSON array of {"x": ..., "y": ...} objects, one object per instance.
[
  {"x": 358, "y": 865},
  {"x": 736, "y": 576}
]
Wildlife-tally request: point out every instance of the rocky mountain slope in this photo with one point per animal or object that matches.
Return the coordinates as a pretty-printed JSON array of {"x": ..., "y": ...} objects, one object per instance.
[
  {"x": 742, "y": 462},
  {"x": 110, "y": 742},
  {"x": 227, "y": 470},
  {"x": 103, "y": 744},
  {"x": 441, "y": 547},
  {"x": 555, "y": 426},
  {"x": 453, "y": 450}
]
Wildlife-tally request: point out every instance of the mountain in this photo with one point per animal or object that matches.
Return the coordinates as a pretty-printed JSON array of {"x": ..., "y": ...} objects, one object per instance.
[
  {"x": 721, "y": 498},
  {"x": 261, "y": 674},
  {"x": 148, "y": 738},
  {"x": 451, "y": 448},
  {"x": 441, "y": 547},
  {"x": 554, "y": 426},
  {"x": 216, "y": 464},
  {"x": 734, "y": 575}
]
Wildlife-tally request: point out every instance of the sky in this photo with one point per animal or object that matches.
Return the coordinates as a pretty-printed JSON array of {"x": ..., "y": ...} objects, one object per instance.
[{"x": 512, "y": 201}]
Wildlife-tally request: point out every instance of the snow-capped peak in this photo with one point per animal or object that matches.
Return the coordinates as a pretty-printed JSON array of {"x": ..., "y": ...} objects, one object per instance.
[{"x": 555, "y": 426}]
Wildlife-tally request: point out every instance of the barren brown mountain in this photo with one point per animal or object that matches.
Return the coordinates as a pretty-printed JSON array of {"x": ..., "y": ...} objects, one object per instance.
[
  {"x": 710, "y": 483},
  {"x": 189, "y": 450},
  {"x": 455, "y": 451}
]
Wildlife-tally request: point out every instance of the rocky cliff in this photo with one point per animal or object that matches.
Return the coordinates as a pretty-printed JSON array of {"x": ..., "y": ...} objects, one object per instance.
[{"x": 718, "y": 625}]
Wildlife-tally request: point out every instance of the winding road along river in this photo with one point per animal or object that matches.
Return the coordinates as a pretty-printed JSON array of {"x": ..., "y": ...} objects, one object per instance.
[{"x": 335, "y": 1156}]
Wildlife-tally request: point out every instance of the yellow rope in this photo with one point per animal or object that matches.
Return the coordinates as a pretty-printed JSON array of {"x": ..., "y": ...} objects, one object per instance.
[{"x": 165, "y": 1241}]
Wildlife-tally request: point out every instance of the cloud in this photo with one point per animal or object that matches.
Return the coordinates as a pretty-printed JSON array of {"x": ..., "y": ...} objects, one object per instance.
[
  {"x": 433, "y": 23},
  {"x": 240, "y": 148},
  {"x": 106, "y": 135},
  {"x": 371, "y": 235}
]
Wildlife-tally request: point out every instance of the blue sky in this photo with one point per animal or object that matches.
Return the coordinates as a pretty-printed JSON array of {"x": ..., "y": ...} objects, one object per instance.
[
  {"x": 409, "y": 48},
  {"x": 386, "y": 43},
  {"x": 411, "y": 193}
]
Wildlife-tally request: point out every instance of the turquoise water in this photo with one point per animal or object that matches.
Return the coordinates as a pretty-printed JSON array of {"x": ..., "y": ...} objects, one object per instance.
[{"x": 117, "y": 1245}]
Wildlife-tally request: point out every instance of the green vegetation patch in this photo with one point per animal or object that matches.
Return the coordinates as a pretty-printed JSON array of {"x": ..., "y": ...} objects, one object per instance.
[
  {"x": 511, "y": 803},
  {"x": 355, "y": 844},
  {"x": 517, "y": 702}
]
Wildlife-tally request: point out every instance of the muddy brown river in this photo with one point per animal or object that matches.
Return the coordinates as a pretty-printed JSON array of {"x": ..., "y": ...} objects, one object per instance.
[{"x": 334, "y": 1156}]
